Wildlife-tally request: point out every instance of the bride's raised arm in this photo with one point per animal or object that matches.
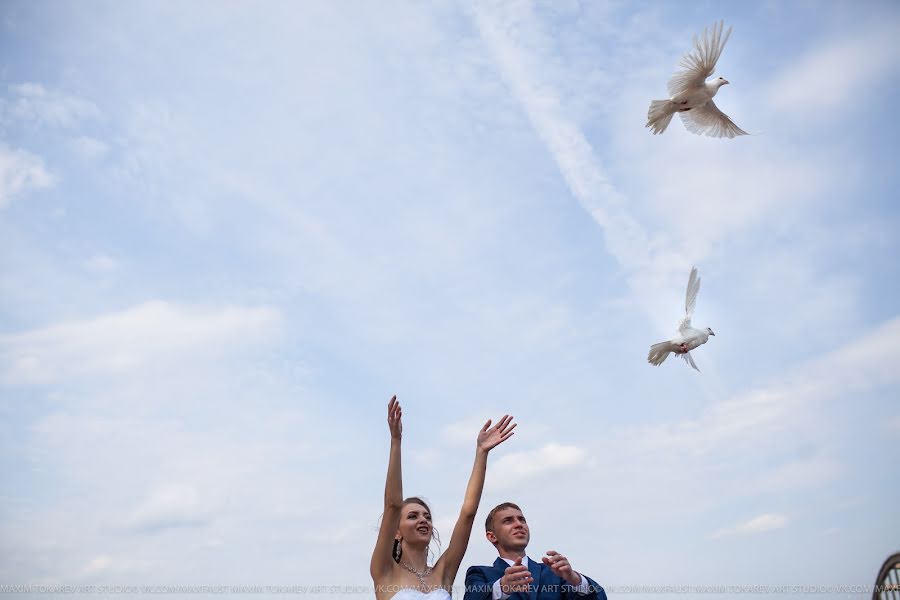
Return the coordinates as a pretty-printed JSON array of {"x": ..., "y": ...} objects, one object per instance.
[
  {"x": 381, "y": 564},
  {"x": 488, "y": 438}
]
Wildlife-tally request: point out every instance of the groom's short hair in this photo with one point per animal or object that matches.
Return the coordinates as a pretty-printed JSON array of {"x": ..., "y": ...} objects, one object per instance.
[{"x": 489, "y": 522}]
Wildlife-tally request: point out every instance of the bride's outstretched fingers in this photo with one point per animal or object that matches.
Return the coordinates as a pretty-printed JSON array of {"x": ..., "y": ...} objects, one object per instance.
[
  {"x": 395, "y": 415},
  {"x": 490, "y": 437}
]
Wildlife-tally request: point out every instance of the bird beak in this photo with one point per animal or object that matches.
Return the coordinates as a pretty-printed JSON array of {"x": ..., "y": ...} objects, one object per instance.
[
  {"x": 725, "y": 81},
  {"x": 712, "y": 333}
]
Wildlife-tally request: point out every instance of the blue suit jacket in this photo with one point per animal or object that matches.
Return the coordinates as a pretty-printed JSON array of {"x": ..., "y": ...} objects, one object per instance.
[{"x": 547, "y": 585}]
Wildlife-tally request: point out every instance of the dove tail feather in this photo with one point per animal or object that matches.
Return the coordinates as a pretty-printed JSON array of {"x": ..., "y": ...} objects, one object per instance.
[
  {"x": 659, "y": 116},
  {"x": 659, "y": 352}
]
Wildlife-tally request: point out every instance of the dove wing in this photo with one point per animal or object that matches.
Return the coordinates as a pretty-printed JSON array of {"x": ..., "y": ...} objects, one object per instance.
[
  {"x": 700, "y": 63},
  {"x": 709, "y": 120},
  {"x": 690, "y": 299},
  {"x": 689, "y": 360}
]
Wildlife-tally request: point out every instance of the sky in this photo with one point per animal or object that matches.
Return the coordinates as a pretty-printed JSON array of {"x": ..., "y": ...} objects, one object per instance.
[{"x": 230, "y": 231}]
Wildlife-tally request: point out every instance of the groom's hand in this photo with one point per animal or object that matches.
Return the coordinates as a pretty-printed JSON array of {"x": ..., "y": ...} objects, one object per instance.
[
  {"x": 559, "y": 564},
  {"x": 516, "y": 578}
]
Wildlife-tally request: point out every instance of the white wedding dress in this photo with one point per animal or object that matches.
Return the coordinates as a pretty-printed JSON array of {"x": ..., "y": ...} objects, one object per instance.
[{"x": 414, "y": 594}]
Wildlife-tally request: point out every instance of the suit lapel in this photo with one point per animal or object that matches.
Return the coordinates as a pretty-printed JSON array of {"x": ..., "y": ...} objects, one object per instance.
[
  {"x": 536, "y": 570},
  {"x": 500, "y": 565}
]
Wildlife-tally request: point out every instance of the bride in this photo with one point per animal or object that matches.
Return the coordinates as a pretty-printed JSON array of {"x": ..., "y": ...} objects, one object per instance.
[{"x": 400, "y": 559}]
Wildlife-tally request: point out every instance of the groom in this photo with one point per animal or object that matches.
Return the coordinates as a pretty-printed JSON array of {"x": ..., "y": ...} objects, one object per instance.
[{"x": 514, "y": 575}]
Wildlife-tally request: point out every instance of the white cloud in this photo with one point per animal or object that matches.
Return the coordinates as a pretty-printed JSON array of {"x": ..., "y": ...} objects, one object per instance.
[
  {"x": 463, "y": 432},
  {"x": 19, "y": 172},
  {"x": 169, "y": 506},
  {"x": 150, "y": 480},
  {"x": 829, "y": 79},
  {"x": 427, "y": 457},
  {"x": 33, "y": 102},
  {"x": 711, "y": 193},
  {"x": 508, "y": 36},
  {"x": 340, "y": 536},
  {"x": 88, "y": 148},
  {"x": 745, "y": 446},
  {"x": 518, "y": 467},
  {"x": 680, "y": 212},
  {"x": 748, "y": 418},
  {"x": 760, "y": 524},
  {"x": 523, "y": 54},
  {"x": 101, "y": 263},
  {"x": 105, "y": 565},
  {"x": 128, "y": 339}
]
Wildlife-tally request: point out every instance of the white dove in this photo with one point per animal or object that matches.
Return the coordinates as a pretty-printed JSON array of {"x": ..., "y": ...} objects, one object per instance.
[
  {"x": 688, "y": 338},
  {"x": 692, "y": 95}
]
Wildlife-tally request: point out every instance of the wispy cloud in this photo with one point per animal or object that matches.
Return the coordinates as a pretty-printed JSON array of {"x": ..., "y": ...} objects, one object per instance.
[
  {"x": 88, "y": 147},
  {"x": 861, "y": 364},
  {"x": 760, "y": 524},
  {"x": 526, "y": 58},
  {"x": 21, "y": 171},
  {"x": 517, "y": 467},
  {"x": 128, "y": 339},
  {"x": 753, "y": 430},
  {"x": 101, "y": 263},
  {"x": 509, "y": 30},
  {"x": 830, "y": 78},
  {"x": 104, "y": 565},
  {"x": 462, "y": 432},
  {"x": 169, "y": 506},
  {"x": 33, "y": 102}
]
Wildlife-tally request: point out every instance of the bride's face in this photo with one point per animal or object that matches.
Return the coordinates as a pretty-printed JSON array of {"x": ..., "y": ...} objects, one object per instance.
[{"x": 415, "y": 525}]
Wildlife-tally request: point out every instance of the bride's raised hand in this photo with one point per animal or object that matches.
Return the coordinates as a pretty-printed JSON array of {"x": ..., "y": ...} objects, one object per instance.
[
  {"x": 490, "y": 437},
  {"x": 394, "y": 416}
]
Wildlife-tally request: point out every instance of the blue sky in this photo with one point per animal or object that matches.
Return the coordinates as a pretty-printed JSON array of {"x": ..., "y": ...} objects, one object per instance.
[{"x": 231, "y": 231}]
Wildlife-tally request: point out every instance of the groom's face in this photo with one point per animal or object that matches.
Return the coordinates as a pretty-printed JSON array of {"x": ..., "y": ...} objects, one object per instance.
[{"x": 510, "y": 530}]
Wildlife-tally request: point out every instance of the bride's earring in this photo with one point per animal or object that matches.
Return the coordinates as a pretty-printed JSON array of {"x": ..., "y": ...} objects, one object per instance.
[{"x": 398, "y": 551}]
